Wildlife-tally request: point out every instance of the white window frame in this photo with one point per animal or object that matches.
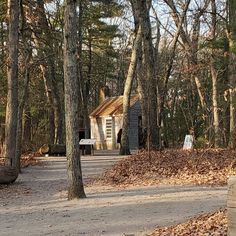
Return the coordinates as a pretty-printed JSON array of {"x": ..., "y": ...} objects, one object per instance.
[{"x": 110, "y": 127}]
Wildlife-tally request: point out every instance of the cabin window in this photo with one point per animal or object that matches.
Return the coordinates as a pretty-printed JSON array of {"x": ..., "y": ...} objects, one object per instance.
[{"x": 108, "y": 128}]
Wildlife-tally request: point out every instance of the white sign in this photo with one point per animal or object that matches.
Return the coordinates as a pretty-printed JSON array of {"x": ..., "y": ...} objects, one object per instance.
[
  {"x": 87, "y": 141},
  {"x": 188, "y": 142}
]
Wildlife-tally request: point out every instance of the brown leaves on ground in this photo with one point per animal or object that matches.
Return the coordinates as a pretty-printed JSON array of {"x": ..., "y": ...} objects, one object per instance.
[
  {"x": 29, "y": 159},
  {"x": 176, "y": 167},
  {"x": 205, "y": 225}
]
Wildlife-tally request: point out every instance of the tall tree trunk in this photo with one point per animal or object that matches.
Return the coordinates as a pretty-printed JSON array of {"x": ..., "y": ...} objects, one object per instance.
[
  {"x": 76, "y": 189},
  {"x": 26, "y": 55},
  {"x": 124, "y": 147},
  {"x": 140, "y": 72},
  {"x": 232, "y": 70},
  {"x": 21, "y": 109},
  {"x": 84, "y": 87},
  {"x": 150, "y": 65},
  {"x": 142, "y": 88},
  {"x": 216, "y": 124},
  {"x": 12, "y": 75}
]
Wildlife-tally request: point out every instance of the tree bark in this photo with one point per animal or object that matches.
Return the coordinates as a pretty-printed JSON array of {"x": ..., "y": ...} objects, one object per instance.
[
  {"x": 140, "y": 72},
  {"x": 76, "y": 189},
  {"x": 216, "y": 124},
  {"x": 26, "y": 55},
  {"x": 232, "y": 70},
  {"x": 20, "y": 111},
  {"x": 150, "y": 65},
  {"x": 12, "y": 75},
  {"x": 124, "y": 147}
]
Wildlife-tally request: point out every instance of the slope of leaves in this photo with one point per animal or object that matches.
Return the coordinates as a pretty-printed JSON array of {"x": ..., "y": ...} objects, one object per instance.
[
  {"x": 197, "y": 167},
  {"x": 207, "y": 224},
  {"x": 27, "y": 159}
]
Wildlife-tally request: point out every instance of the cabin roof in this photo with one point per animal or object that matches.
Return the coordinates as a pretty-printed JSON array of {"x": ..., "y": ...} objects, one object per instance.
[{"x": 112, "y": 106}]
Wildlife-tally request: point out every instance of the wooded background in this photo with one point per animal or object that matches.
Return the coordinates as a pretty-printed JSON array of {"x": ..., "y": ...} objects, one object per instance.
[{"x": 183, "y": 58}]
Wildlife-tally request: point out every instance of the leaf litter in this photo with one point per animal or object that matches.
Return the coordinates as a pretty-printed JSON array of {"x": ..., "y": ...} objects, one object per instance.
[
  {"x": 209, "y": 167},
  {"x": 204, "y": 225}
]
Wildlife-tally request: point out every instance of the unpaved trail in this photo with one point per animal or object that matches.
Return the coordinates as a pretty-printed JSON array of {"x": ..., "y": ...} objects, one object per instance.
[{"x": 36, "y": 204}]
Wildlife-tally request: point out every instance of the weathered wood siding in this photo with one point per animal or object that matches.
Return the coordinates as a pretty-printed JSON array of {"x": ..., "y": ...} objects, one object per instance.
[{"x": 135, "y": 112}]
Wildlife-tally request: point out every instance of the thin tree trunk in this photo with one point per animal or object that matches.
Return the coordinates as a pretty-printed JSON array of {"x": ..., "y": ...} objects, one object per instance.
[
  {"x": 76, "y": 189},
  {"x": 51, "y": 115},
  {"x": 20, "y": 111},
  {"x": 216, "y": 124},
  {"x": 124, "y": 147},
  {"x": 27, "y": 126},
  {"x": 84, "y": 87},
  {"x": 12, "y": 75},
  {"x": 26, "y": 57}
]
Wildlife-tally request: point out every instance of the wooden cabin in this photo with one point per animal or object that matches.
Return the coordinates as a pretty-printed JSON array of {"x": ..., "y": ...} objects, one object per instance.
[{"x": 106, "y": 121}]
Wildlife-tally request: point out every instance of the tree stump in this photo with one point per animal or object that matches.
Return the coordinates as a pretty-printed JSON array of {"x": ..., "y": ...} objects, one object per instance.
[
  {"x": 231, "y": 206},
  {"x": 8, "y": 174}
]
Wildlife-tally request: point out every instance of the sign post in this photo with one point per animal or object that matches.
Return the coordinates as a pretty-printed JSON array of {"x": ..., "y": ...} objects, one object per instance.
[{"x": 90, "y": 142}]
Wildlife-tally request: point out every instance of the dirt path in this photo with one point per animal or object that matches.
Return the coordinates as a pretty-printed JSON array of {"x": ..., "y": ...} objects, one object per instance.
[{"x": 37, "y": 205}]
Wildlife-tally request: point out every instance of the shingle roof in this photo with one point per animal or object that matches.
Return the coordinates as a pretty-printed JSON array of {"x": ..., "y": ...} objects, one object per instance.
[{"x": 112, "y": 106}]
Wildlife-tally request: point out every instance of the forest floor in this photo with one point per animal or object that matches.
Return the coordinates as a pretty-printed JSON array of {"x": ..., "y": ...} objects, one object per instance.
[{"x": 37, "y": 203}]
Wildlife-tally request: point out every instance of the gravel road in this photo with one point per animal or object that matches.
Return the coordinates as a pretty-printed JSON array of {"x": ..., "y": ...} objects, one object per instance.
[{"x": 36, "y": 204}]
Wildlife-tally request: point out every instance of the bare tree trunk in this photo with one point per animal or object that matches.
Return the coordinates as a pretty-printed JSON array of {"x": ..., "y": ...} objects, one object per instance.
[
  {"x": 232, "y": 70},
  {"x": 216, "y": 124},
  {"x": 142, "y": 90},
  {"x": 76, "y": 189},
  {"x": 20, "y": 112},
  {"x": 84, "y": 87},
  {"x": 51, "y": 115},
  {"x": 150, "y": 65},
  {"x": 26, "y": 55},
  {"x": 140, "y": 72},
  {"x": 12, "y": 74},
  {"x": 124, "y": 147}
]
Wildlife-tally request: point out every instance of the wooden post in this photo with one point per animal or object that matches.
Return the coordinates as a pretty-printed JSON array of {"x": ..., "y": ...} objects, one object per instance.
[{"x": 231, "y": 206}]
